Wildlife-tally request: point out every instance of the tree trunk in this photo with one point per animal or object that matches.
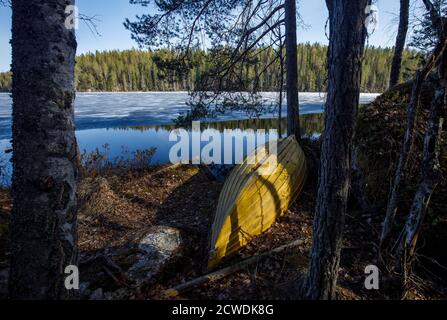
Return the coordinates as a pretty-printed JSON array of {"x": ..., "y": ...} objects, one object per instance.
[
  {"x": 293, "y": 123},
  {"x": 430, "y": 175},
  {"x": 346, "y": 44},
  {"x": 281, "y": 88},
  {"x": 399, "y": 174},
  {"x": 400, "y": 42},
  {"x": 43, "y": 225}
]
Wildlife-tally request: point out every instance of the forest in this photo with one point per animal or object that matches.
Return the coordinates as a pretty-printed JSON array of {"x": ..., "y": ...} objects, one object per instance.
[
  {"x": 333, "y": 198},
  {"x": 5, "y": 81},
  {"x": 135, "y": 70}
]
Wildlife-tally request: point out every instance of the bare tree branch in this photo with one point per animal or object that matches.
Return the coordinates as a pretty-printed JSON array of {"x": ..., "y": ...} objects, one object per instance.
[
  {"x": 91, "y": 22},
  {"x": 399, "y": 175},
  {"x": 6, "y": 3}
]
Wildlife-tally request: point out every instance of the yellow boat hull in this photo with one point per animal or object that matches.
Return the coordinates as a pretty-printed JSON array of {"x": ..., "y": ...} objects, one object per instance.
[{"x": 254, "y": 196}]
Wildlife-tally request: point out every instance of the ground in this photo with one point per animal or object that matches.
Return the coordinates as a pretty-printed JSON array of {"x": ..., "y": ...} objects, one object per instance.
[
  {"x": 118, "y": 207},
  {"x": 185, "y": 197}
]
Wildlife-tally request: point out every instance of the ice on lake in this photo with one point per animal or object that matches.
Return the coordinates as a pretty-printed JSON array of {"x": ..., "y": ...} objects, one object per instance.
[
  {"x": 138, "y": 121},
  {"x": 108, "y": 110}
]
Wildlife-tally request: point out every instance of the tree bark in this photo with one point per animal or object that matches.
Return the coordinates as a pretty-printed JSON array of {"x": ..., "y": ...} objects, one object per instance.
[
  {"x": 281, "y": 86},
  {"x": 293, "y": 123},
  {"x": 346, "y": 45},
  {"x": 399, "y": 174},
  {"x": 430, "y": 174},
  {"x": 43, "y": 225},
  {"x": 400, "y": 42}
]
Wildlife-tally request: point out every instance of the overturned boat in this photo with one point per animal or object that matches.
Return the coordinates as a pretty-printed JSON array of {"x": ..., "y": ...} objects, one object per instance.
[{"x": 255, "y": 194}]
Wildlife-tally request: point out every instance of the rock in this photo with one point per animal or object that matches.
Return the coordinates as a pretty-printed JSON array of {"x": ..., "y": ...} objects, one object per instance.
[
  {"x": 119, "y": 273},
  {"x": 160, "y": 247}
]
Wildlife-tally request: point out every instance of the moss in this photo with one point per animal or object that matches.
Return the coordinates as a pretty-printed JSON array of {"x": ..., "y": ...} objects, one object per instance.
[{"x": 380, "y": 132}]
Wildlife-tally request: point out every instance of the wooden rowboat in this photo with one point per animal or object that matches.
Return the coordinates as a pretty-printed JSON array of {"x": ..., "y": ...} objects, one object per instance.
[{"x": 252, "y": 197}]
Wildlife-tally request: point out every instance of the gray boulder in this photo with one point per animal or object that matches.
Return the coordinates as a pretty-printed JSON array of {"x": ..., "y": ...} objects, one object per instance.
[{"x": 160, "y": 247}]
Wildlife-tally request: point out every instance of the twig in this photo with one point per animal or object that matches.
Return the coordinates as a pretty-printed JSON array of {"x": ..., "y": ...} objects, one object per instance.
[
  {"x": 91, "y": 23},
  {"x": 6, "y": 3},
  {"x": 217, "y": 275}
]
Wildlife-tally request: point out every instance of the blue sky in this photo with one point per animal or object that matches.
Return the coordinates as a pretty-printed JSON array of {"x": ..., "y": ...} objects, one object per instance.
[{"x": 112, "y": 13}]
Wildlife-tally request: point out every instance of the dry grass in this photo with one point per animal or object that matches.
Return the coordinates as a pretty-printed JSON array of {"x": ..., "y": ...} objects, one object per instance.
[{"x": 119, "y": 206}]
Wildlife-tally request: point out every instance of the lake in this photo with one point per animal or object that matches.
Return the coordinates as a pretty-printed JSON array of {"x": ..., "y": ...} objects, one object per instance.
[{"x": 137, "y": 121}]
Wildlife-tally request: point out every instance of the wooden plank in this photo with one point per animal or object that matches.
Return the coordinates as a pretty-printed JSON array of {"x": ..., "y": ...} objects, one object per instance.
[
  {"x": 252, "y": 227},
  {"x": 240, "y": 176},
  {"x": 251, "y": 208},
  {"x": 268, "y": 223},
  {"x": 255, "y": 179},
  {"x": 235, "y": 182}
]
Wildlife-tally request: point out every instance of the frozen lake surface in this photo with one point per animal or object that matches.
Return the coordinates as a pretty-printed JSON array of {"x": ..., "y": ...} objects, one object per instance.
[
  {"x": 139, "y": 121},
  {"x": 111, "y": 110}
]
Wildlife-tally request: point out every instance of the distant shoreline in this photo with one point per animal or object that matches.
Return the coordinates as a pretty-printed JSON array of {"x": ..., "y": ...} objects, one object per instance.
[{"x": 184, "y": 92}]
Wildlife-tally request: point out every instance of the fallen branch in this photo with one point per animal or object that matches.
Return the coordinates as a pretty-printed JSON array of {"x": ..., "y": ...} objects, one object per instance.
[{"x": 217, "y": 275}]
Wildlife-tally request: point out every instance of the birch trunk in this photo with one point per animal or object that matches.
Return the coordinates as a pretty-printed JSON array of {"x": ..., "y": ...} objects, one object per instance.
[{"x": 43, "y": 226}]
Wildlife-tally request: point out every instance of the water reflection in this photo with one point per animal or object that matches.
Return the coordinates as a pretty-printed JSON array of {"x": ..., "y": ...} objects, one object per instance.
[{"x": 125, "y": 140}]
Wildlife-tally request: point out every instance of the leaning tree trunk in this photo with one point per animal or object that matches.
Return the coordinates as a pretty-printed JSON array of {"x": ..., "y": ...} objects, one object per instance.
[
  {"x": 430, "y": 174},
  {"x": 399, "y": 174},
  {"x": 400, "y": 42},
  {"x": 43, "y": 225},
  {"x": 293, "y": 122},
  {"x": 346, "y": 44},
  {"x": 430, "y": 179}
]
